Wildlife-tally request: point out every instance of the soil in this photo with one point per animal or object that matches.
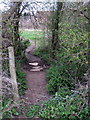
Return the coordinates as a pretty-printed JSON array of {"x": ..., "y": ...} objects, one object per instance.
[
  {"x": 37, "y": 91},
  {"x": 36, "y": 81}
]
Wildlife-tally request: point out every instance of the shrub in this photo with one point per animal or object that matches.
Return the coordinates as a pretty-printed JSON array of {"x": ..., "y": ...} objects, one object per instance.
[
  {"x": 22, "y": 86},
  {"x": 57, "y": 77},
  {"x": 20, "y": 51},
  {"x": 32, "y": 111},
  {"x": 66, "y": 105},
  {"x": 71, "y": 60},
  {"x": 44, "y": 54}
]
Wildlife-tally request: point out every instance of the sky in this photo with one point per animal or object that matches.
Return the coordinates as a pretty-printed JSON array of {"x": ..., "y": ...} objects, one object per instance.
[{"x": 4, "y": 7}]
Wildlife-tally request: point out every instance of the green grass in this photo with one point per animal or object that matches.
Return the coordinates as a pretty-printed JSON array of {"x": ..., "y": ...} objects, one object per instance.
[{"x": 32, "y": 35}]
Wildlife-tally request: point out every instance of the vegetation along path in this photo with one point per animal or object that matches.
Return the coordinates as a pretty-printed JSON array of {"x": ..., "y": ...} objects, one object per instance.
[{"x": 36, "y": 77}]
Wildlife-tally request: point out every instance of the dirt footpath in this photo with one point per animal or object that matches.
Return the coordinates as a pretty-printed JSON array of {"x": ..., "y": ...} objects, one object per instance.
[
  {"x": 36, "y": 80},
  {"x": 36, "y": 87}
]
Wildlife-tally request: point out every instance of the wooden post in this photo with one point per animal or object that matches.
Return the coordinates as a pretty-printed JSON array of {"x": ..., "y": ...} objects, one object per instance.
[
  {"x": 0, "y": 66},
  {"x": 13, "y": 73}
]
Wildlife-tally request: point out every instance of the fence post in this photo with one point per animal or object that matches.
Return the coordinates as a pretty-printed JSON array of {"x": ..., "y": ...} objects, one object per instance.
[{"x": 13, "y": 73}]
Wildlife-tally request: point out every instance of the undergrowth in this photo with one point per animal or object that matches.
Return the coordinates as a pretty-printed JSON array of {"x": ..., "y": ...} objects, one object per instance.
[
  {"x": 68, "y": 105},
  {"x": 21, "y": 81},
  {"x": 64, "y": 105},
  {"x": 20, "y": 60},
  {"x": 70, "y": 63},
  {"x": 44, "y": 54}
]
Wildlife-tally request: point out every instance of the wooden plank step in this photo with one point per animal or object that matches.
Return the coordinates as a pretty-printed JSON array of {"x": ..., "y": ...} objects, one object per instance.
[
  {"x": 36, "y": 69},
  {"x": 33, "y": 64}
]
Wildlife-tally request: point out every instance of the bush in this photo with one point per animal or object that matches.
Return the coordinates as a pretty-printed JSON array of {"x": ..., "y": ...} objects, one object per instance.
[
  {"x": 66, "y": 105},
  {"x": 20, "y": 59},
  {"x": 71, "y": 60},
  {"x": 66, "y": 71},
  {"x": 44, "y": 54},
  {"x": 22, "y": 86},
  {"x": 6, "y": 103},
  {"x": 20, "y": 51},
  {"x": 57, "y": 78},
  {"x": 32, "y": 111}
]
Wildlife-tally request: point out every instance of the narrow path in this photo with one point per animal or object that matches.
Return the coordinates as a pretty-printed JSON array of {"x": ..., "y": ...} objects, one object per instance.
[
  {"x": 36, "y": 87},
  {"x": 36, "y": 80}
]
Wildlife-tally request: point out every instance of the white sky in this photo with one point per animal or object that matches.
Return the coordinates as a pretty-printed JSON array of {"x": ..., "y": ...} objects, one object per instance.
[{"x": 4, "y": 7}]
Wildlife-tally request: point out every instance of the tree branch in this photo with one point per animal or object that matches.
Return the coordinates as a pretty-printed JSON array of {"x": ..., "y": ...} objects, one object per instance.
[{"x": 81, "y": 13}]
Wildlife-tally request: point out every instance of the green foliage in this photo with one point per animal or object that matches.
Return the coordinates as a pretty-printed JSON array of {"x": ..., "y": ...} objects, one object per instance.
[
  {"x": 66, "y": 105},
  {"x": 20, "y": 51},
  {"x": 43, "y": 54},
  {"x": 58, "y": 77},
  {"x": 33, "y": 111},
  {"x": 71, "y": 59},
  {"x": 20, "y": 59},
  {"x": 22, "y": 86},
  {"x": 12, "y": 112}
]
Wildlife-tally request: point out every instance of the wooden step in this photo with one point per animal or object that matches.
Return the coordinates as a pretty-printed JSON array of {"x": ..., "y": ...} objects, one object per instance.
[
  {"x": 36, "y": 69},
  {"x": 33, "y": 64}
]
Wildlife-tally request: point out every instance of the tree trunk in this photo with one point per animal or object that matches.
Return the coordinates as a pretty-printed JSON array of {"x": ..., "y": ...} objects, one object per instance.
[
  {"x": 0, "y": 67},
  {"x": 15, "y": 24},
  {"x": 11, "y": 23},
  {"x": 88, "y": 56},
  {"x": 55, "y": 28}
]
